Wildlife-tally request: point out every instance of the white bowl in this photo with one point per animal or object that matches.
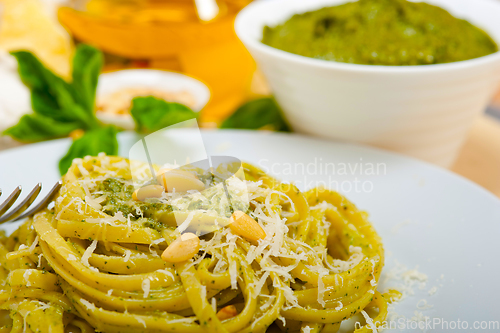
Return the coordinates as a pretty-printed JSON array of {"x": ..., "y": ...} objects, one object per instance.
[
  {"x": 423, "y": 111},
  {"x": 148, "y": 78}
]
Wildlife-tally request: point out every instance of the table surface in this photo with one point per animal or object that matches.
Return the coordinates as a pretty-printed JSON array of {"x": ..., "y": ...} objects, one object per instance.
[{"x": 479, "y": 159}]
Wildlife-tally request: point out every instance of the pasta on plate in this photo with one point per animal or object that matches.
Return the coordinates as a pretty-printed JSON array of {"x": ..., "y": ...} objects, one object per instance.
[{"x": 93, "y": 261}]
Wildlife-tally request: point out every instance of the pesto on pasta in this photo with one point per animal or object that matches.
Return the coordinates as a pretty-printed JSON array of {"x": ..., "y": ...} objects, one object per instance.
[{"x": 94, "y": 262}]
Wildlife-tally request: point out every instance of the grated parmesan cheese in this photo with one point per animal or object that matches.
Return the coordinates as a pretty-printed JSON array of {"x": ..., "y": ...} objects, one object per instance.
[
  {"x": 34, "y": 244},
  {"x": 422, "y": 305},
  {"x": 141, "y": 321},
  {"x": 88, "y": 252},
  {"x": 268, "y": 303},
  {"x": 233, "y": 273},
  {"x": 146, "y": 286},
  {"x": 419, "y": 318},
  {"x": 40, "y": 260},
  {"x": 369, "y": 322},
  {"x": 340, "y": 266},
  {"x": 158, "y": 241},
  {"x": 87, "y": 304},
  {"x": 58, "y": 217},
  {"x": 260, "y": 283},
  {"x": 128, "y": 253},
  {"x": 321, "y": 287},
  {"x": 189, "y": 320},
  {"x": 166, "y": 272},
  {"x": 204, "y": 292},
  {"x": 404, "y": 279},
  {"x": 306, "y": 329},
  {"x": 92, "y": 203},
  {"x": 185, "y": 224},
  {"x": 26, "y": 277},
  {"x": 373, "y": 282},
  {"x": 214, "y": 304}
]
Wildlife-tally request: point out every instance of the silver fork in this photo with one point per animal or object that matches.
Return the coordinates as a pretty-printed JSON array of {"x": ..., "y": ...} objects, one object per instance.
[{"x": 17, "y": 212}]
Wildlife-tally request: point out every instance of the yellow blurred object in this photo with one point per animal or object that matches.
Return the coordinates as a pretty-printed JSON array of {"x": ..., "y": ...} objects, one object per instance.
[
  {"x": 26, "y": 25},
  {"x": 168, "y": 34}
]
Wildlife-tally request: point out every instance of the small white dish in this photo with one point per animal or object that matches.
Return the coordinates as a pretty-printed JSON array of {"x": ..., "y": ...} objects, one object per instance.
[
  {"x": 112, "y": 82},
  {"x": 423, "y": 111}
]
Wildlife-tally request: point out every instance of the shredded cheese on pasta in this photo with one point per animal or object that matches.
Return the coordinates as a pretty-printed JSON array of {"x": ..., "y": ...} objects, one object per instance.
[{"x": 319, "y": 264}]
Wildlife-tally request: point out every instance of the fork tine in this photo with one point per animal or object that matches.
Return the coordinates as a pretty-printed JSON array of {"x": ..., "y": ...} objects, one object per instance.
[
  {"x": 10, "y": 200},
  {"x": 48, "y": 198},
  {"x": 23, "y": 205}
]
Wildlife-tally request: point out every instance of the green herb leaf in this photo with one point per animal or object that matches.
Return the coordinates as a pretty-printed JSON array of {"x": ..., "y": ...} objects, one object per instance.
[
  {"x": 91, "y": 143},
  {"x": 36, "y": 127},
  {"x": 152, "y": 114},
  {"x": 34, "y": 74},
  {"x": 42, "y": 104},
  {"x": 51, "y": 96},
  {"x": 87, "y": 64},
  {"x": 258, "y": 114}
]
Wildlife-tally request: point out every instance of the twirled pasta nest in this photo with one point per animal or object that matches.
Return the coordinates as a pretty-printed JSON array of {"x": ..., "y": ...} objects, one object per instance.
[{"x": 76, "y": 267}]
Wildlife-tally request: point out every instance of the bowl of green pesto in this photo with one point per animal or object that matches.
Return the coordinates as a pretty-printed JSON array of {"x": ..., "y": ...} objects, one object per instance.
[
  {"x": 409, "y": 76},
  {"x": 381, "y": 32}
]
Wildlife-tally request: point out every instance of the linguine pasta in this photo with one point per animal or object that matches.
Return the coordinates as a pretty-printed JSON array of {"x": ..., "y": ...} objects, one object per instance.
[{"x": 93, "y": 261}]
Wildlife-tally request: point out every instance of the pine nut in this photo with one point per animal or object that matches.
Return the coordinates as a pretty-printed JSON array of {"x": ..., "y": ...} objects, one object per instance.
[
  {"x": 148, "y": 191},
  {"x": 182, "y": 249},
  {"x": 179, "y": 171},
  {"x": 179, "y": 181},
  {"x": 245, "y": 226},
  {"x": 227, "y": 312}
]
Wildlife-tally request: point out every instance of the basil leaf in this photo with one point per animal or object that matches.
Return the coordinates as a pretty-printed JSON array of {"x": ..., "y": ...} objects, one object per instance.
[
  {"x": 44, "y": 105},
  {"x": 34, "y": 74},
  {"x": 91, "y": 143},
  {"x": 35, "y": 127},
  {"x": 87, "y": 65},
  {"x": 51, "y": 96},
  {"x": 257, "y": 114},
  {"x": 152, "y": 114}
]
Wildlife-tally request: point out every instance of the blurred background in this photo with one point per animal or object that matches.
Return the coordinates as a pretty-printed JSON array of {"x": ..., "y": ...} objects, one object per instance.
[
  {"x": 155, "y": 34},
  {"x": 192, "y": 37}
]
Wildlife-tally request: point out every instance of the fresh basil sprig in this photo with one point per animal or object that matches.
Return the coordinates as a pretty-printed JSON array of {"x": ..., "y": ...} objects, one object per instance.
[
  {"x": 36, "y": 127},
  {"x": 60, "y": 107},
  {"x": 68, "y": 104},
  {"x": 152, "y": 114},
  {"x": 262, "y": 113}
]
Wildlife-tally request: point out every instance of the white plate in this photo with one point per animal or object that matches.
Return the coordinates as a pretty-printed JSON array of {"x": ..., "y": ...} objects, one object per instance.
[{"x": 427, "y": 216}]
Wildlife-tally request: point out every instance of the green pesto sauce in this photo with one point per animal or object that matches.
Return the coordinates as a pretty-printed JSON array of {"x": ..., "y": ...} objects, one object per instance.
[
  {"x": 381, "y": 32},
  {"x": 119, "y": 199},
  {"x": 151, "y": 213}
]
